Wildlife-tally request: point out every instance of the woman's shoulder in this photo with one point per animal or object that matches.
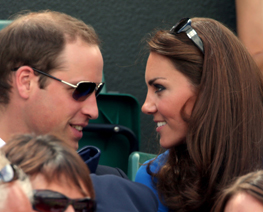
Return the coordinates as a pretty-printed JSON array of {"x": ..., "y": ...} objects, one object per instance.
[
  {"x": 155, "y": 165},
  {"x": 145, "y": 178},
  {"x": 157, "y": 162}
]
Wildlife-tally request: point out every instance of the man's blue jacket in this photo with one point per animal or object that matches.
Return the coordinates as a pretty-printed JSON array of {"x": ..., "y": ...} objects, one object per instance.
[{"x": 113, "y": 192}]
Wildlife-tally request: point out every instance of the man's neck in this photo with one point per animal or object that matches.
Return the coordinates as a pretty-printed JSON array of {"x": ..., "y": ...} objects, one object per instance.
[{"x": 11, "y": 124}]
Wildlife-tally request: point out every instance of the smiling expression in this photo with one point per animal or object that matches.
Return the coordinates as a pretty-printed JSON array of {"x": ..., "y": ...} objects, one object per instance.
[
  {"x": 169, "y": 94},
  {"x": 52, "y": 109}
]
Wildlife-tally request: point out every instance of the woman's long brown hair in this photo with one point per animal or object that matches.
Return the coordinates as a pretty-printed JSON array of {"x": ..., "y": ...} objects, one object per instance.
[{"x": 225, "y": 130}]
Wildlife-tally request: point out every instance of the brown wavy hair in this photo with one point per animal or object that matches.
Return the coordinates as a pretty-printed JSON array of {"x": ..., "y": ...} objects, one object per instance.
[
  {"x": 225, "y": 130},
  {"x": 51, "y": 157}
]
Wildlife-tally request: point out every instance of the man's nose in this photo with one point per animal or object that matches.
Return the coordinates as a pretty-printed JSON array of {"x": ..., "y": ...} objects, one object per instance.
[{"x": 90, "y": 107}]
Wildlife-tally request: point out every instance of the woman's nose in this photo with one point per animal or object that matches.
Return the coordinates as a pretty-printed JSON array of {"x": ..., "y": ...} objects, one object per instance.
[{"x": 149, "y": 106}]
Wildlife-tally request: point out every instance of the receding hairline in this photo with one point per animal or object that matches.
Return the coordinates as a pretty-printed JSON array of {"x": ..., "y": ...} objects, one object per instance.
[{"x": 60, "y": 21}]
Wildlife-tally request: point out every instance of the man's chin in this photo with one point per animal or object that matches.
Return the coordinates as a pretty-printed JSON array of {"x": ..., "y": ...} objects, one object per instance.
[{"x": 74, "y": 144}]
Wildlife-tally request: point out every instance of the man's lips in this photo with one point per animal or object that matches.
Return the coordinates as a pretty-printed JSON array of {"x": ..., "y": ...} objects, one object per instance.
[{"x": 77, "y": 127}]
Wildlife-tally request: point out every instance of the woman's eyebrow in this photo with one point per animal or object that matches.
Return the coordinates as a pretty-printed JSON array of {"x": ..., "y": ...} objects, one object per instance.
[{"x": 150, "y": 82}]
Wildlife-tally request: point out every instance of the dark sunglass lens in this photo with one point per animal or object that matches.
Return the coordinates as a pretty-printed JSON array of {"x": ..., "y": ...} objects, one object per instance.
[
  {"x": 180, "y": 24},
  {"x": 86, "y": 205},
  {"x": 83, "y": 90},
  {"x": 100, "y": 86},
  {"x": 80, "y": 207},
  {"x": 47, "y": 204}
]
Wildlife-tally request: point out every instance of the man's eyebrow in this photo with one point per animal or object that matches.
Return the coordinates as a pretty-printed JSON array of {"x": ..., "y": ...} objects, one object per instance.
[{"x": 150, "y": 82}]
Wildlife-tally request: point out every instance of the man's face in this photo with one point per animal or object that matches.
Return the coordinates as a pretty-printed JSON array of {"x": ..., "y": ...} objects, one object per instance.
[{"x": 52, "y": 110}]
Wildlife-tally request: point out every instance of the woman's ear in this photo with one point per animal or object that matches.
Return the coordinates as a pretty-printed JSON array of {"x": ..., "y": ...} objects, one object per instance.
[{"x": 24, "y": 81}]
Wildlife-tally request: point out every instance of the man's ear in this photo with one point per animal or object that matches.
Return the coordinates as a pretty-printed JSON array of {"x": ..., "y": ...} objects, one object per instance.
[{"x": 25, "y": 79}]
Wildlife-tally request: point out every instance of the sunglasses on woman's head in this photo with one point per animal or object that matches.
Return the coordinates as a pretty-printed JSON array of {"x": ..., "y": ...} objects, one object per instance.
[
  {"x": 47, "y": 200},
  {"x": 184, "y": 25},
  {"x": 82, "y": 90}
]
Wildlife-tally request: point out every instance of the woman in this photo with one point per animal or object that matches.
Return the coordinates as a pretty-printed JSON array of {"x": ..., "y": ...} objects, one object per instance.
[
  {"x": 205, "y": 94},
  {"x": 59, "y": 177},
  {"x": 244, "y": 195}
]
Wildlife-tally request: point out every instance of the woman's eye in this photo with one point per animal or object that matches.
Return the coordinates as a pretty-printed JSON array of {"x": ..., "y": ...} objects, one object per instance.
[{"x": 158, "y": 88}]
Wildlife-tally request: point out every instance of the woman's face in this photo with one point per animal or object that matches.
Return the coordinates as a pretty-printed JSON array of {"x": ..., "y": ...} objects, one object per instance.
[
  {"x": 168, "y": 92},
  {"x": 39, "y": 182}
]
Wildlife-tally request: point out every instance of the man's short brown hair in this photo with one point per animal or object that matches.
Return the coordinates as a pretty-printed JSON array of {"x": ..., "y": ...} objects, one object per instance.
[{"x": 37, "y": 39}]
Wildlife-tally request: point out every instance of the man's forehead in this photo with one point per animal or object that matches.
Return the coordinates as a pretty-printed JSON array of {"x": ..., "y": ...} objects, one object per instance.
[{"x": 62, "y": 60}]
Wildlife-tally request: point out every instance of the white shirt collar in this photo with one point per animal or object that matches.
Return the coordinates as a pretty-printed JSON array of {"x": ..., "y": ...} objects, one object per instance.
[{"x": 2, "y": 143}]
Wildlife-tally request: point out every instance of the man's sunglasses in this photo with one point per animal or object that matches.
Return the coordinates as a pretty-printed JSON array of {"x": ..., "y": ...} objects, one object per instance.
[
  {"x": 47, "y": 200},
  {"x": 184, "y": 25},
  {"x": 82, "y": 90},
  {"x": 8, "y": 173}
]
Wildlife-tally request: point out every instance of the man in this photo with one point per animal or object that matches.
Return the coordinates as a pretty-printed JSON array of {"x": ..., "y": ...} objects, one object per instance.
[
  {"x": 34, "y": 102},
  {"x": 50, "y": 73},
  {"x": 15, "y": 188}
]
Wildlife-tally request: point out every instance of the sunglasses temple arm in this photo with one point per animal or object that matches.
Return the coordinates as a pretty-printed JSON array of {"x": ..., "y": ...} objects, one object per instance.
[
  {"x": 48, "y": 75},
  {"x": 67, "y": 83},
  {"x": 191, "y": 33}
]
